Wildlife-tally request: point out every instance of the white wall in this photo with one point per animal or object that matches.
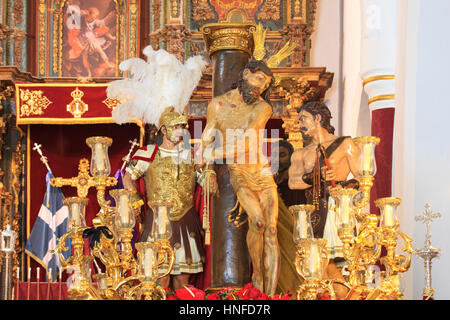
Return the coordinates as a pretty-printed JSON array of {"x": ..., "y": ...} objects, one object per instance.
[
  {"x": 432, "y": 151},
  {"x": 422, "y": 147},
  {"x": 326, "y": 51}
]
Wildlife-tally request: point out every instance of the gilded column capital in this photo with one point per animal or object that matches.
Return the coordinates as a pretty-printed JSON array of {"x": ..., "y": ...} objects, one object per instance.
[{"x": 231, "y": 36}]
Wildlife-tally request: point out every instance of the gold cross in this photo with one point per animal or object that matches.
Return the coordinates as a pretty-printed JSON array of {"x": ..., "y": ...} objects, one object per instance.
[{"x": 84, "y": 180}]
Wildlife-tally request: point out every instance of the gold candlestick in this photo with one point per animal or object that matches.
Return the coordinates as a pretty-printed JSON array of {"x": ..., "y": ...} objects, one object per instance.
[
  {"x": 309, "y": 263},
  {"x": 394, "y": 263},
  {"x": 366, "y": 170}
]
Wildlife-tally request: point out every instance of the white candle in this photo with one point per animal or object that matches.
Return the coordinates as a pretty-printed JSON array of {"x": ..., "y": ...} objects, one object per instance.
[
  {"x": 303, "y": 232},
  {"x": 76, "y": 213},
  {"x": 163, "y": 219},
  {"x": 315, "y": 260},
  {"x": 124, "y": 210},
  {"x": 99, "y": 158},
  {"x": 388, "y": 216},
  {"x": 148, "y": 262},
  {"x": 367, "y": 158}
]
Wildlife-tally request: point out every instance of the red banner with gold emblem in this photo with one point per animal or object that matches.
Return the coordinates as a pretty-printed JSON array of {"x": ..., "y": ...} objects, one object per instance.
[
  {"x": 63, "y": 104},
  {"x": 222, "y": 6}
]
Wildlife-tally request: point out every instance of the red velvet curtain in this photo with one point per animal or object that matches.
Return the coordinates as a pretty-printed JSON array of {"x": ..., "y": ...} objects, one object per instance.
[{"x": 382, "y": 127}]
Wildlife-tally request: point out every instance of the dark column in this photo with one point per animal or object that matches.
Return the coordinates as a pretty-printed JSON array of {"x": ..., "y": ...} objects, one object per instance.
[{"x": 230, "y": 265}]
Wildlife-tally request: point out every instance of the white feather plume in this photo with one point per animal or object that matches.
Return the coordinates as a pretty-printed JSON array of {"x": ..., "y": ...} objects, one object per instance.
[{"x": 153, "y": 85}]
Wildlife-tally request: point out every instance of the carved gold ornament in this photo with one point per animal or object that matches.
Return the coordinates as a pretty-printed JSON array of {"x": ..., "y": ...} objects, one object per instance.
[
  {"x": 259, "y": 36},
  {"x": 77, "y": 107},
  {"x": 222, "y": 36},
  {"x": 111, "y": 103},
  {"x": 33, "y": 102},
  {"x": 270, "y": 10},
  {"x": 201, "y": 11}
]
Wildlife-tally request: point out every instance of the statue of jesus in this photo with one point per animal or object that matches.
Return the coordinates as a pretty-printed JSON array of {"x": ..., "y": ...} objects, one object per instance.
[{"x": 234, "y": 133}]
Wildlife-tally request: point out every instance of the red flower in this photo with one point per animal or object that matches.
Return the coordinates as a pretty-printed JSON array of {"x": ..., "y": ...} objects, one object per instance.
[
  {"x": 281, "y": 297},
  {"x": 253, "y": 293},
  {"x": 262, "y": 296},
  {"x": 213, "y": 296},
  {"x": 189, "y": 293},
  {"x": 243, "y": 294}
]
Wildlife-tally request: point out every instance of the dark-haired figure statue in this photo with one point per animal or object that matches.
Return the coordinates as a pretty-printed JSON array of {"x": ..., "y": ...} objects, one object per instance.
[
  {"x": 326, "y": 161},
  {"x": 239, "y": 118},
  {"x": 289, "y": 280}
]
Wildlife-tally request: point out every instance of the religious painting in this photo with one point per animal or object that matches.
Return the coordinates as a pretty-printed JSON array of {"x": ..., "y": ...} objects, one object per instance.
[{"x": 89, "y": 38}]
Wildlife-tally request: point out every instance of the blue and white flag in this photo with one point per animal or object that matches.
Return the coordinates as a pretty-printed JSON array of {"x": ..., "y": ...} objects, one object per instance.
[{"x": 50, "y": 225}]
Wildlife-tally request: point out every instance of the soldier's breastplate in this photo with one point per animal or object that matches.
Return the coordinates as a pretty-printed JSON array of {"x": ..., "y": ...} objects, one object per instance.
[{"x": 167, "y": 181}]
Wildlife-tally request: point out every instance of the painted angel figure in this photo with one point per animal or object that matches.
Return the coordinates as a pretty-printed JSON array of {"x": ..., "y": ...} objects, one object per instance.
[{"x": 89, "y": 38}]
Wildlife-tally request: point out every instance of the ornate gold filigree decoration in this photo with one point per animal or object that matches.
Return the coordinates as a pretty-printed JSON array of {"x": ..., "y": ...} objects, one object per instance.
[
  {"x": 6, "y": 93},
  {"x": 222, "y": 36},
  {"x": 33, "y": 102},
  {"x": 42, "y": 36},
  {"x": 18, "y": 36},
  {"x": 259, "y": 36},
  {"x": 133, "y": 27},
  {"x": 77, "y": 107},
  {"x": 111, "y": 103},
  {"x": 83, "y": 181},
  {"x": 201, "y": 11},
  {"x": 270, "y": 10},
  {"x": 174, "y": 8},
  {"x": 17, "y": 170},
  {"x": 296, "y": 91}
]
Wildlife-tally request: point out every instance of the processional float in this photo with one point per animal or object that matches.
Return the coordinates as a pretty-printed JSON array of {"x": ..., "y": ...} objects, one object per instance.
[{"x": 363, "y": 234}]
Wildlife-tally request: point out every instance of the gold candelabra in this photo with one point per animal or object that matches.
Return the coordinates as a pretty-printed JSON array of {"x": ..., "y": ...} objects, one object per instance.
[
  {"x": 311, "y": 256},
  {"x": 363, "y": 235},
  {"x": 125, "y": 277}
]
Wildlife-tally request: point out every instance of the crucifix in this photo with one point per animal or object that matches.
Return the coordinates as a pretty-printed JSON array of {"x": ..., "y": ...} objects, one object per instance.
[
  {"x": 127, "y": 158},
  {"x": 427, "y": 218},
  {"x": 37, "y": 147},
  {"x": 428, "y": 253}
]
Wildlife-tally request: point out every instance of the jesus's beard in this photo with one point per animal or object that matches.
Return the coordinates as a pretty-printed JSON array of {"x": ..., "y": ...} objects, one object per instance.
[{"x": 250, "y": 94}]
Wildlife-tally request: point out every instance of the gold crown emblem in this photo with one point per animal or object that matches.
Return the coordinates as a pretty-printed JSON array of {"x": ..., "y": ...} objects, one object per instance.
[
  {"x": 77, "y": 93},
  {"x": 259, "y": 37}
]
